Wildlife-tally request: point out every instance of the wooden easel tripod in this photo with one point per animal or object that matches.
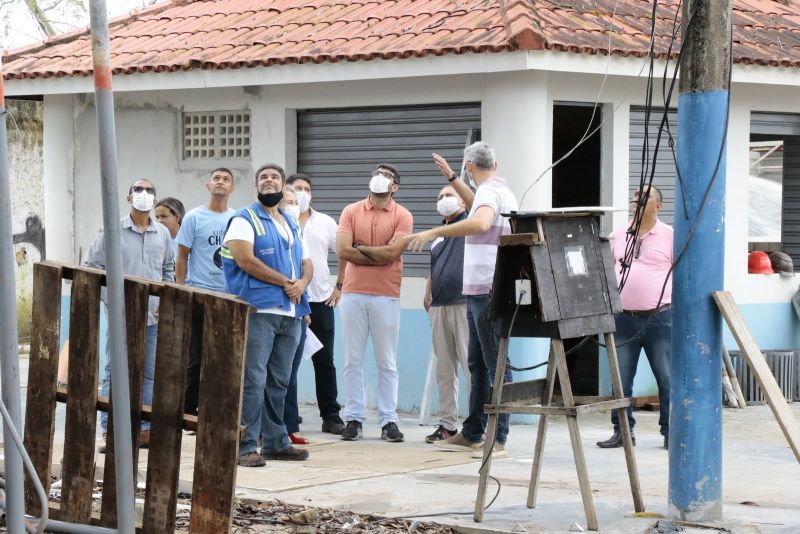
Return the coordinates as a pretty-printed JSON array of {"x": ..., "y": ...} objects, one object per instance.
[
  {"x": 554, "y": 279},
  {"x": 515, "y": 398}
]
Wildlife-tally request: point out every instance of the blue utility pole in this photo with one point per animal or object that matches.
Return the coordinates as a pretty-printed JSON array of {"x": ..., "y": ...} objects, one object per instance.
[{"x": 695, "y": 430}]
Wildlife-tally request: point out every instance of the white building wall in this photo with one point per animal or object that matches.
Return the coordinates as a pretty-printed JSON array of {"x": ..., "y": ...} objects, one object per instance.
[{"x": 516, "y": 117}]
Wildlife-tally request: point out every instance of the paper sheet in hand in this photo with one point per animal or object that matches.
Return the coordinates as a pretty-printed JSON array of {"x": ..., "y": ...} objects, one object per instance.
[{"x": 311, "y": 346}]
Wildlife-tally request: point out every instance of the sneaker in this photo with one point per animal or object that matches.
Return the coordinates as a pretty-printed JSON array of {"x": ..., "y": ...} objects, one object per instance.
[
  {"x": 441, "y": 433},
  {"x": 498, "y": 451},
  {"x": 391, "y": 433},
  {"x": 251, "y": 459},
  {"x": 333, "y": 425},
  {"x": 352, "y": 431},
  {"x": 291, "y": 454},
  {"x": 615, "y": 441},
  {"x": 458, "y": 443}
]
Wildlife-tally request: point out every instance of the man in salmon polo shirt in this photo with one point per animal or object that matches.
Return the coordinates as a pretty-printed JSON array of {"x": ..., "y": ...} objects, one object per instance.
[
  {"x": 372, "y": 235},
  {"x": 646, "y": 319}
]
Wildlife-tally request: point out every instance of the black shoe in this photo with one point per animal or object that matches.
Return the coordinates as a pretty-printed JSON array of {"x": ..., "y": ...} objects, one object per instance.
[
  {"x": 352, "y": 431},
  {"x": 440, "y": 434},
  {"x": 666, "y": 441},
  {"x": 391, "y": 433},
  {"x": 615, "y": 441},
  {"x": 333, "y": 425},
  {"x": 290, "y": 454}
]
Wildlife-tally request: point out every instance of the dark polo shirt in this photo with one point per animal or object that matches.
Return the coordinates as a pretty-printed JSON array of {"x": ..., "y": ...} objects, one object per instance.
[{"x": 447, "y": 269}]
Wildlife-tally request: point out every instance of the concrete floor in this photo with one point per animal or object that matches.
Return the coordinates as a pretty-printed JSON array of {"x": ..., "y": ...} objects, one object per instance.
[{"x": 761, "y": 478}]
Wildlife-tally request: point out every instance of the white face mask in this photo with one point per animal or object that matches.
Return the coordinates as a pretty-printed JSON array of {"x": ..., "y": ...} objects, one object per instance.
[
  {"x": 303, "y": 200},
  {"x": 447, "y": 206},
  {"x": 380, "y": 184},
  {"x": 292, "y": 211},
  {"x": 142, "y": 201}
]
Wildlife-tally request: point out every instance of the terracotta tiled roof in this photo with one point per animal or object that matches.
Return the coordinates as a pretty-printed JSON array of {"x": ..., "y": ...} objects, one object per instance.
[{"x": 228, "y": 34}]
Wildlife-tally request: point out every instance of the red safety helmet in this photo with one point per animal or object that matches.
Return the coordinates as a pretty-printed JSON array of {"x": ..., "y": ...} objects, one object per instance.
[{"x": 758, "y": 263}]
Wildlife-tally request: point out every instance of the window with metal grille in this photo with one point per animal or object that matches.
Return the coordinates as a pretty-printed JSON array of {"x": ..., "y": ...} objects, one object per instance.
[{"x": 216, "y": 134}]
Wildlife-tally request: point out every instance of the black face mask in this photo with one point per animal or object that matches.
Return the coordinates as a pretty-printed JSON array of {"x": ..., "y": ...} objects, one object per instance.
[{"x": 270, "y": 200}]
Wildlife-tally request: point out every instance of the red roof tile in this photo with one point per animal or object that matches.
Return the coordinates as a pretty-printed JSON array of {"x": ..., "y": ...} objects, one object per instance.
[{"x": 227, "y": 34}]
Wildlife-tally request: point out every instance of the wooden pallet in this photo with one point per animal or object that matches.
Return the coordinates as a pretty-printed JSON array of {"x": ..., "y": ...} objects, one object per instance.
[{"x": 223, "y": 334}]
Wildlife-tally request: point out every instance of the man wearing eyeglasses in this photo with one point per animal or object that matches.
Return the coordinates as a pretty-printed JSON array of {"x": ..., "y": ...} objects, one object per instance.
[
  {"x": 147, "y": 253},
  {"x": 372, "y": 235},
  {"x": 642, "y": 252}
]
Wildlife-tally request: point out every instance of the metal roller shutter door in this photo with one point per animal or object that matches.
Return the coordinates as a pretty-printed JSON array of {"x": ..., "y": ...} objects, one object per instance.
[
  {"x": 665, "y": 171},
  {"x": 339, "y": 148}
]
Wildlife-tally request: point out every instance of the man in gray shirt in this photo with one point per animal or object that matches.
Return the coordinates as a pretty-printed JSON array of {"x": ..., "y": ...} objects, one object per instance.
[{"x": 146, "y": 252}]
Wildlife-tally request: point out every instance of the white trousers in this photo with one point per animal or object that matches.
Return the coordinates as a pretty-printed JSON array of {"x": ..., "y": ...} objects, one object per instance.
[
  {"x": 450, "y": 333},
  {"x": 378, "y": 318}
]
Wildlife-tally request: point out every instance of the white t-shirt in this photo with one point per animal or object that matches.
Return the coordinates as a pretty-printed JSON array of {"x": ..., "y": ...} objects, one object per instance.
[
  {"x": 241, "y": 229},
  {"x": 320, "y": 236},
  {"x": 480, "y": 250}
]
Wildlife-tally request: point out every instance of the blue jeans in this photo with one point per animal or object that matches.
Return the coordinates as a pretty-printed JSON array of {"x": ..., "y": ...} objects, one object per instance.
[
  {"x": 291, "y": 412},
  {"x": 149, "y": 373},
  {"x": 656, "y": 340},
  {"x": 484, "y": 342},
  {"x": 271, "y": 343}
]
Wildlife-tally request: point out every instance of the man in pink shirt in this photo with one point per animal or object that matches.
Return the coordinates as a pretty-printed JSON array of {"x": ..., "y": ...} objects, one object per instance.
[
  {"x": 372, "y": 235},
  {"x": 642, "y": 252}
]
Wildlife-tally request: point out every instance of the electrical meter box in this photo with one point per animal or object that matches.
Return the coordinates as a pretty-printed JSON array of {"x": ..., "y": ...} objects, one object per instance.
[{"x": 554, "y": 277}]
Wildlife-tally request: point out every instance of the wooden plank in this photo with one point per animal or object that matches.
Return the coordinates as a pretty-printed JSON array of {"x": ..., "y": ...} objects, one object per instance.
[
  {"x": 545, "y": 284},
  {"x": 528, "y": 391},
  {"x": 575, "y": 436},
  {"x": 102, "y": 404},
  {"x": 761, "y": 371},
  {"x": 172, "y": 357},
  {"x": 535, "y": 410},
  {"x": 491, "y": 429},
  {"x": 136, "y": 310},
  {"x": 40, "y": 413},
  {"x": 541, "y": 432},
  {"x": 217, "y": 445},
  {"x": 731, "y": 373},
  {"x": 79, "y": 437},
  {"x": 519, "y": 239},
  {"x": 154, "y": 287},
  {"x": 585, "y": 326},
  {"x": 624, "y": 425},
  {"x": 611, "y": 279},
  {"x": 603, "y": 406}
]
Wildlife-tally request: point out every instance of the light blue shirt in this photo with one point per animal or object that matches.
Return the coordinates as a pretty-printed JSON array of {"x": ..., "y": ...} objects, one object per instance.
[
  {"x": 145, "y": 254},
  {"x": 201, "y": 232}
]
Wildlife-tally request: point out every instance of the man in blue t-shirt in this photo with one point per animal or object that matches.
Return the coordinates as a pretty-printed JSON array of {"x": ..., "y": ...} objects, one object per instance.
[{"x": 199, "y": 263}]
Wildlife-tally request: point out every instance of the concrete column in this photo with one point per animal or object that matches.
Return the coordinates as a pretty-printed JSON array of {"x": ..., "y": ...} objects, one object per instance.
[
  {"x": 59, "y": 152},
  {"x": 517, "y": 120}
]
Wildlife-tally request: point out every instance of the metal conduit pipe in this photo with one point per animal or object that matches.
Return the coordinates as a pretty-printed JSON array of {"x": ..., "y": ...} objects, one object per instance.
[
  {"x": 32, "y": 525},
  {"x": 28, "y": 465},
  {"x": 120, "y": 390},
  {"x": 9, "y": 349}
]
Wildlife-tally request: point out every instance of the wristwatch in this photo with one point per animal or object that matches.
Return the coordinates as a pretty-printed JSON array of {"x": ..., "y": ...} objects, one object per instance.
[
  {"x": 339, "y": 286},
  {"x": 452, "y": 177}
]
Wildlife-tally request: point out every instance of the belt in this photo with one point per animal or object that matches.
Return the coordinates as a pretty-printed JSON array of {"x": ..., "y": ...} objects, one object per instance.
[{"x": 644, "y": 313}]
